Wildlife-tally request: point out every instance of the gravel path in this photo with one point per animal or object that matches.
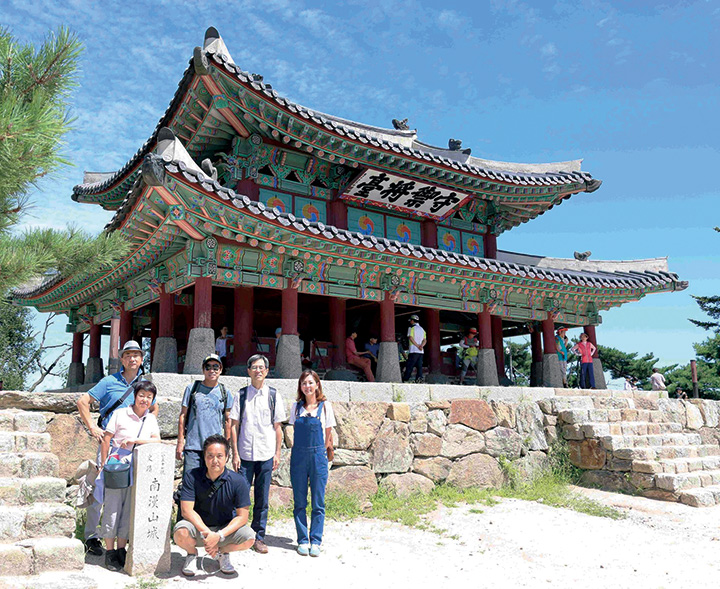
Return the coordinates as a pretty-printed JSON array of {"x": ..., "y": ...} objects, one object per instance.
[{"x": 512, "y": 544}]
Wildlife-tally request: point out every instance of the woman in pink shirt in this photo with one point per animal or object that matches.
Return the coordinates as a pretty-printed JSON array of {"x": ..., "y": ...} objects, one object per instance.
[{"x": 585, "y": 350}]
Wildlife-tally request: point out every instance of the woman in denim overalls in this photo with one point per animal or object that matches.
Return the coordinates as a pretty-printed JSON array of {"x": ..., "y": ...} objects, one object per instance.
[{"x": 313, "y": 418}]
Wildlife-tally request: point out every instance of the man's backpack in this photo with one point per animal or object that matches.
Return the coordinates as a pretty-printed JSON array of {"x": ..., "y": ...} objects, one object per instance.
[{"x": 191, "y": 401}]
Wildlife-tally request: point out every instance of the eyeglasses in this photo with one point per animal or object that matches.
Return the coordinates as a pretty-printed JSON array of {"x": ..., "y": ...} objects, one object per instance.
[
  {"x": 258, "y": 368},
  {"x": 213, "y": 367}
]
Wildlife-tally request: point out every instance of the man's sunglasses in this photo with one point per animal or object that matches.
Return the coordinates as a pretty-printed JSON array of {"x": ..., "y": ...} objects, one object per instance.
[{"x": 213, "y": 367}]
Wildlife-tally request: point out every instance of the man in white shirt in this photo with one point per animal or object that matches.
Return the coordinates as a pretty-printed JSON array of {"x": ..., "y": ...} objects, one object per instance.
[
  {"x": 256, "y": 439},
  {"x": 221, "y": 345},
  {"x": 657, "y": 380},
  {"x": 417, "y": 341}
]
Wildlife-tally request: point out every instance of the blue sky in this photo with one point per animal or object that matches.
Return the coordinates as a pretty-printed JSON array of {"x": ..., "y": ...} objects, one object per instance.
[{"x": 630, "y": 87}]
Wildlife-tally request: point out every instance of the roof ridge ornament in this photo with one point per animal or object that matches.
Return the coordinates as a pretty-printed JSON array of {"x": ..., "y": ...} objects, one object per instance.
[
  {"x": 456, "y": 145},
  {"x": 212, "y": 45},
  {"x": 401, "y": 125}
]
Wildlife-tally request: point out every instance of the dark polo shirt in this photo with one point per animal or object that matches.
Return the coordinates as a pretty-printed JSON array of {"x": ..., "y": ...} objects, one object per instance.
[{"x": 219, "y": 509}]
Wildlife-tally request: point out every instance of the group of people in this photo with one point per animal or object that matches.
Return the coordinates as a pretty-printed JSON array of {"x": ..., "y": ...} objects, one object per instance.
[
  {"x": 584, "y": 348},
  {"x": 228, "y": 441}
]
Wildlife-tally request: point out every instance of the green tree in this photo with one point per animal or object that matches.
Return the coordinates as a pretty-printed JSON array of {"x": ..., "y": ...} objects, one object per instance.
[
  {"x": 521, "y": 362},
  {"x": 621, "y": 364},
  {"x": 26, "y": 359},
  {"x": 708, "y": 368},
  {"x": 711, "y": 306},
  {"x": 34, "y": 116}
]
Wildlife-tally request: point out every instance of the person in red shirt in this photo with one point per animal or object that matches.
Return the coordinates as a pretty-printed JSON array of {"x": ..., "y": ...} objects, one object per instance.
[
  {"x": 356, "y": 358},
  {"x": 585, "y": 350}
]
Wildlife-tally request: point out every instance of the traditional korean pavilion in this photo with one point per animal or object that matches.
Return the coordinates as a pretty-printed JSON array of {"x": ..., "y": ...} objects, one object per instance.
[{"x": 249, "y": 211}]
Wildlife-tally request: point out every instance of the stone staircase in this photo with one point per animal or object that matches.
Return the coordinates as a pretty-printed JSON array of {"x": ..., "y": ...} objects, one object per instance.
[
  {"x": 624, "y": 447},
  {"x": 36, "y": 527}
]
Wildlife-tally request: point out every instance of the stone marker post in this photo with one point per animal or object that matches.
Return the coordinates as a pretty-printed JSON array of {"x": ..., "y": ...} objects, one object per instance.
[{"x": 151, "y": 510}]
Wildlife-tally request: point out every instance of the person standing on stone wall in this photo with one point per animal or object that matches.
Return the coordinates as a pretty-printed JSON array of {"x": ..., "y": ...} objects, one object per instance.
[
  {"x": 470, "y": 345},
  {"x": 256, "y": 439},
  {"x": 221, "y": 345},
  {"x": 127, "y": 428},
  {"x": 205, "y": 412},
  {"x": 214, "y": 504},
  {"x": 313, "y": 419},
  {"x": 112, "y": 393},
  {"x": 561, "y": 345},
  {"x": 357, "y": 358},
  {"x": 417, "y": 340},
  {"x": 586, "y": 350},
  {"x": 657, "y": 380}
]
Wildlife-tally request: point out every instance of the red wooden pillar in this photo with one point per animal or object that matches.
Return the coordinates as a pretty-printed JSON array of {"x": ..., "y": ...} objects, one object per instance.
[
  {"x": 114, "y": 351},
  {"x": 77, "y": 347},
  {"x": 548, "y": 336},
  {"x": 429, "y": 234},
  {"x": 126, "y": 325},
  {"x": 288, "y": 322},
  {"x": 249, "y": 188},
  {"x": 337, "y": 214},
  {"x": 166, "y": 314},
  {"x": 203, "y": 302},
  {"x": 95, "y": 331},
  {"x": 337, "y": 331},
  {"x": 485, "y": 330},
  {"x": 243, "y": 305},
  {"x": 497, "y": 336},
  {"x": 592, "y": 338},
  {"x": 490, "y": 243},
  {"x": 387, "y": 320},
  {"x": 432, "y": 321}
]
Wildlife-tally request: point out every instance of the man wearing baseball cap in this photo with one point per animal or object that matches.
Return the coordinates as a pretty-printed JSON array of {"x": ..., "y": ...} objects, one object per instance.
[
  {"x": 205, "y": 412},
  {"x": 561, "y": 345},
  {"x": 417, "y": 340},
  {"x": 113, "y": 392}
]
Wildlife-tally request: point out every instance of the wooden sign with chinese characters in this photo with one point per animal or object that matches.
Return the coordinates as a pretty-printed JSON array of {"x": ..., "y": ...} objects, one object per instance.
[
  {"x": 151, "y": 510},
  {"x": 402, "y": 194}
]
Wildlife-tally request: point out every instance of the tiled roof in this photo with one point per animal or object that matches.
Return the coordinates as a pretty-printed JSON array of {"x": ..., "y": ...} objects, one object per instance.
[{"x": 401, "y": 142}]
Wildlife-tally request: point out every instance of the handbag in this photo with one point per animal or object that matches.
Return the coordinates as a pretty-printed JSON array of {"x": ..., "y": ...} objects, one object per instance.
[{"x": 117, "y": 474}]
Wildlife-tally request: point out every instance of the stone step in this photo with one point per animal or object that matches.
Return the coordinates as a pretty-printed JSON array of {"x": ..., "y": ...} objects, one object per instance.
[
  {"x": 602, "y": 429},
  {"x": 579, "y": 416},
  {"x": 39, "y": 520},
  {"x": 701, "y": 497},
  {"x": 664, "y": 452},
  {"x": 24, "y": 442},
  {"x": 29, "y": 464},
  {"x": 687, "y": 480},
  {"x": 649, "y": 441},
  {"x": 40, "y": 555},
  {"x": 676, "y": 465},
  {"x": 19, "y": 491},
  {"x": 22, "y": 421}
]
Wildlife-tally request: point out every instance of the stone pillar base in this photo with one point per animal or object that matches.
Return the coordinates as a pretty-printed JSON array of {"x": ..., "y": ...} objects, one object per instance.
[
  {"x": 165, "y": 355},
  {"x": 287, "y": 359},
  {"x": 436, "y": 378},
  {"x": 599, "y": 374},
  {"x": 536, "y": 374},
  {"x": 94, "y": 370},
  {"x": 76, "y": 374},
  {"x": 388, "y": 368},
  {"x": 114, "y": 365},
  {"x": 551, "y": 374},
  {"x": 487, "y": 374},
  {"x": 201, "y": 343}
]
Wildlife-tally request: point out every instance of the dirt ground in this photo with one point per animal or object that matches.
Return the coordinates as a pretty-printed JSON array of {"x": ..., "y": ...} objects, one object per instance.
[{"x": 512, "y": 544}]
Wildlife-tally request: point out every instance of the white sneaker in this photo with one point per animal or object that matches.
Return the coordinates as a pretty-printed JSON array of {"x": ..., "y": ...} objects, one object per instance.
[
  {"x": 225, "y": 564},
  {"x": 192, "y": 565}
]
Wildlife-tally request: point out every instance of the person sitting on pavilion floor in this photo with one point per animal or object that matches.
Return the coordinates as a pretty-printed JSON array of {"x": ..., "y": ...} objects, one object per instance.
[
  {"x": 373, "y": 347},
  {"x": 215, "y": 504},
  {"x": 356, "y": 358}
]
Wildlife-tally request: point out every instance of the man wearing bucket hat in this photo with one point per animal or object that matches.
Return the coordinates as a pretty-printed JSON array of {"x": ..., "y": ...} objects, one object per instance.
[
  {"x": 113, "y": 392},
  {"x": 469, "y": 345},
  {"x": 417, "y": 341},
  {"x": 561, "y": 345}
]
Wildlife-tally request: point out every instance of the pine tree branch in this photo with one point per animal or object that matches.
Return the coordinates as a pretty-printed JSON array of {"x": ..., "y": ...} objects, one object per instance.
[{"x": 46, "y": 370}]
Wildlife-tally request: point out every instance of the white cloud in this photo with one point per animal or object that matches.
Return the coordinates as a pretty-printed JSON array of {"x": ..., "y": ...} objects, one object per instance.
[{"x": 549, "y": 49}]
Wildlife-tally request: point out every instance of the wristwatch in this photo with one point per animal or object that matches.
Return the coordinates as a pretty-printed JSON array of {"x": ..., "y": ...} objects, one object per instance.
[{"x": 222, "y": 536}]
